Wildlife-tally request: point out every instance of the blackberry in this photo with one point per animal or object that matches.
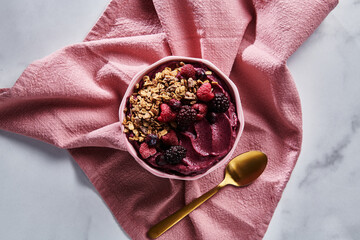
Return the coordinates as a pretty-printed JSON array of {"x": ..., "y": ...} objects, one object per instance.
[
  {"x": 175, "y": 154},
  {"x": 220, "y": 103},
  {"x": 186, "y": 116},
  {"x": 151, "y": 139}
]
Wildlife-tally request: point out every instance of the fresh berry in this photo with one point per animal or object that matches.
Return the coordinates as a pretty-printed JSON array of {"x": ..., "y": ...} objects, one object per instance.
[
  {"x": 201, "y": 110},
  {"x": 220, "y": 103},
  {"x": 151, "y": 139},
  {"x": 170, "y": 138},
  {"x": 178, "y": 76},
  {"x": 175, "y": 154},
  {"x": 160, "y": 160},
  {"x": 200, "y": 73},
  {"x": 204, "y": 92},
  {"x": 146, "y": 151},
  {"x": 211, "y": 117},
  {"x": 188, "y": 71},
  {"x": 186, "y": 116},
  {"x": 174, "y": 104},
  {"x": 166, "y": 114}
]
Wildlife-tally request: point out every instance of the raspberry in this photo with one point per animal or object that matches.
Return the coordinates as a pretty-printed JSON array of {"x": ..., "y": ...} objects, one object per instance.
[
  {"x": 166, "y": 114},
  {"x": 204, "y": 92},
  {"x": 220, "y": 103},
  {"x": 178, "y": 76},
  {"x": 201, "y": 110},
  {"x": 186, "y": 116},
  {"x": 188, "y": 71},
  {"x": 170, "y": 138},
  {"x": 151, "y": 139},
  {"x": 175, "y": 154},
  {"x": 174, "y": 104},
  {"x": 146, "y": 151}
]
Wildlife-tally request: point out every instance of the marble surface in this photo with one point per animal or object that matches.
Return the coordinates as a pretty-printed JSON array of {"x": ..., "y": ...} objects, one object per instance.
[{"x": 44, "y": 194}]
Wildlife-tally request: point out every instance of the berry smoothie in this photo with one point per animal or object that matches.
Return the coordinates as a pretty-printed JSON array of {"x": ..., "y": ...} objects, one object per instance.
[{"x": 181, "y": 118}]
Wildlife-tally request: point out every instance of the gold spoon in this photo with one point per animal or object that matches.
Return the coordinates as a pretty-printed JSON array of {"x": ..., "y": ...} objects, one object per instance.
[{"x": 240, "y": 171}]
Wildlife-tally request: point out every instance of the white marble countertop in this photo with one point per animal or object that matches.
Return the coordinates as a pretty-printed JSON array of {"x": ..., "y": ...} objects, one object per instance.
[{"x": 45, "y": 195}]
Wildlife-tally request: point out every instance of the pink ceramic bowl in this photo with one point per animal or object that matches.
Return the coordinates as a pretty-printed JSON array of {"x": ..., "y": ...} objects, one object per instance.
[{"x": 233, "y": 91}]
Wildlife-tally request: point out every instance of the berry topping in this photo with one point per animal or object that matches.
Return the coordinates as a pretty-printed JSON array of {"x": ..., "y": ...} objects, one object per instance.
[
  {"x": 201, "y": 110},
  {"x": 204, "y": 92},
  {"x": 160, "y": 160},
  {"x": 146, "y": 151},
  {"x": 220, "y": 103},
  {"x": 186, "y": 116},
  {"x": 211, "y": 117},
  {"x": 175, "y": 154},
  {"x": 151, "y": 139},
  {"x": 174, "y": 104},
  {"x": 170, "y": 138},
  {"x": 188, "y": 71},
  {"x": 178, "y": 76},
  {"x": 166, "y": 114},
  {"x": 200, "y": 73}
]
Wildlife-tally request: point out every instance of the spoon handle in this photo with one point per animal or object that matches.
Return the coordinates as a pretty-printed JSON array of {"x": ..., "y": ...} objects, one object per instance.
[{"x": 171, "y": 220}]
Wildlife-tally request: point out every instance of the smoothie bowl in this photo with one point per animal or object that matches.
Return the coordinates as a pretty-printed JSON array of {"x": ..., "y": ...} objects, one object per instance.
[{"x": 181, "y": 118}]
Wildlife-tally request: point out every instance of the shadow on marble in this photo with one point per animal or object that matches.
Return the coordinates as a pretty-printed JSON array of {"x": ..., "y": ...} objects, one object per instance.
[
  {"x": 48, "y": 149},
  {"x": 51, "y": 151}
]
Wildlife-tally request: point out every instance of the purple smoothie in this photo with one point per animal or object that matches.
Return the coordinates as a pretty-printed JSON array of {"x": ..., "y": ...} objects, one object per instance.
[{"x": 206, "y": 141}]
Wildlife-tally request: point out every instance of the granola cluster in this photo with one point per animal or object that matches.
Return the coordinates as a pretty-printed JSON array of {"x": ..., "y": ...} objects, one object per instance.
[{"x": 143, "y": 106}]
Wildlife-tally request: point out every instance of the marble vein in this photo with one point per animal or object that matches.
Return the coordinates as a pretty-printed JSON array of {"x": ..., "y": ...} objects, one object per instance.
[{"x": 334, "y": 157}]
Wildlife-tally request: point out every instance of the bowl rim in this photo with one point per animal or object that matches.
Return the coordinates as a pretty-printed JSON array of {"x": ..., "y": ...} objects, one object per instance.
[{"x": 232, "y": 88}]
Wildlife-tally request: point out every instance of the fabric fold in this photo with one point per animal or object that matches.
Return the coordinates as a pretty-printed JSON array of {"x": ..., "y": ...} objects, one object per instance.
[
  {"x": 71, "y": 99},
  {"x": 137, "y": 18},
  {"x": 75, "y": 92},
  {"x": 211, "y": 30},
  {"x": 275, "y": 16}
]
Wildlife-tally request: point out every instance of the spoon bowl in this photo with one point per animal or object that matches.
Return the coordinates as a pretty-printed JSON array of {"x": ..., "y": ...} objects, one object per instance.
[
  {"x": 245, "y": 168},
  {"x": 240, "y": 172}
]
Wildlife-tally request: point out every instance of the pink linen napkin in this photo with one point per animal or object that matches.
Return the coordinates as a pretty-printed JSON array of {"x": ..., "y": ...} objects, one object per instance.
[{"x": 71, "y": 99}]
